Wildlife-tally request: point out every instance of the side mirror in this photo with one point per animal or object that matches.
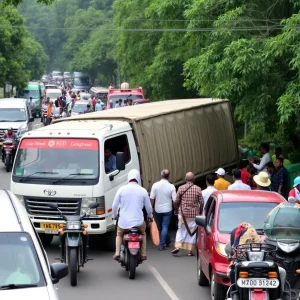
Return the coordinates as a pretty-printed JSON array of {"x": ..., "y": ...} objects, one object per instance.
[
  {"x": 120, "y": 161},
  {"x": 201, "y": 221},
  {"x": 58, "y": 271},
  {"x": 31, "y": 120},
  {"x": 94, "y": 205},
  {"x": 228, "y": 249},
  {"x": 52, "y": 205}
]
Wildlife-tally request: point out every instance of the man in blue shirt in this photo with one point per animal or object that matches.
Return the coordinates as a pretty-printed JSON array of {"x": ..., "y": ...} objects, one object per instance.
[
  {"x": 110, "y": 161},
  {"x": 98, "y": 106}
]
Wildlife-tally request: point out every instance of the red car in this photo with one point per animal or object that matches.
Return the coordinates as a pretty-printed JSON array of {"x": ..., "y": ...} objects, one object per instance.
[{"x": 223, "y": 212}]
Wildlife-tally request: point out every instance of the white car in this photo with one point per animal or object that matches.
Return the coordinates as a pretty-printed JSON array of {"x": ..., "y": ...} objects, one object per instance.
[{"x": 25, "y": 272}]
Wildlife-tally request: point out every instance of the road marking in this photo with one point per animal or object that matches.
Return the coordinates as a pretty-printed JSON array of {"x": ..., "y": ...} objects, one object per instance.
[{"x": 163, "y": 283}]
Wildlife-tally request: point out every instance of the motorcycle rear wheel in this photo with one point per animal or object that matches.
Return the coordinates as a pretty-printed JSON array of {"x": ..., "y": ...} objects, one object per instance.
[
  {"x": 7, "y": 162},
  {"x": 132, "y": 266},
  {"x": 73, "y": 263}
]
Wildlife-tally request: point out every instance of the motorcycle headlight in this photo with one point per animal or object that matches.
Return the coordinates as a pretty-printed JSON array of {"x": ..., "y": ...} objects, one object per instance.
[
  {"x": 287, "y": 248},
  {"x": 73, "y": 225},
  {"x": 255, "y": 256},
  {"x": 221, "y": 249}
]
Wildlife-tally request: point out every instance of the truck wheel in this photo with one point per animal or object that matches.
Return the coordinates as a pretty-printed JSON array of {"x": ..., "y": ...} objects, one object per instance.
[
  {"x": 201, "y": 278},
  {"x": 217, "y": 290},
  {"x": 73, "y": 262},
  {"x": 46, "y": 238},
  {"x": 110, "y": 241}
]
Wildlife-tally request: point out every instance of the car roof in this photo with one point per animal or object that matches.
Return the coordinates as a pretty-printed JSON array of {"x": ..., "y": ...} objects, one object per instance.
[
  {"x": 13, "y": 215},
  {"x": 13, "y": 102},
  {"x": 248, "y": 196},
  {"x": 53, "y": 91}
]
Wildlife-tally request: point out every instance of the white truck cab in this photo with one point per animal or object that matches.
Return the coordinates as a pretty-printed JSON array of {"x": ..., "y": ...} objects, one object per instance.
[
  {"x": 25, "y": 270},
  {"x": 65, "y": 163}
]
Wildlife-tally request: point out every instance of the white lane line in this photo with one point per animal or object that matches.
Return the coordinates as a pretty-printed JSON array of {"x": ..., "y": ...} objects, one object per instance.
[{"x": 163, "y": 283}]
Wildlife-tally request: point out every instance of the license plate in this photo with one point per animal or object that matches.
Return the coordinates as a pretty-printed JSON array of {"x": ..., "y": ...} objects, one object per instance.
[
  {"x": 50, "y": 228},
  {"x": 258, "y": 283},
  {"x": 135, "y": 245}
]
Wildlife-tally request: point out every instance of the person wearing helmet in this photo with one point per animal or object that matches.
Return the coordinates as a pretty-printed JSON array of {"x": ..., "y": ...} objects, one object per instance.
[
  {"x": 294, "y": 194},
  {"x": 111, "y": 104},
  {"x": 130, "y": 200},
  {"x": 9, "y": 134}
]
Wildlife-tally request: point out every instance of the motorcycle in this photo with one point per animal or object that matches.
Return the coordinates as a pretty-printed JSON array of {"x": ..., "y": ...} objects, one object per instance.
[
  {"x": 8, "y": 152},
  {"x": 130, "y": 254},
  {"x": 74, "y": 239},
  {"x": 256, "y": 274},
  {"x": 44, "y": 114}
]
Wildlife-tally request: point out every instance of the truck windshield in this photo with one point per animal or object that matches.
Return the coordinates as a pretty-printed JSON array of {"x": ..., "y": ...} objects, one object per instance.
[
  {"x": 12, "y": 115},
  {"x": 51, "y": 159},
  {"x": 19, "y": 262},
  {"x": 81, "y": 81},
  {"x": 27, "y": 94},
  {"x": 124, "y": 97},
  {"x": 233, "y": 214}
]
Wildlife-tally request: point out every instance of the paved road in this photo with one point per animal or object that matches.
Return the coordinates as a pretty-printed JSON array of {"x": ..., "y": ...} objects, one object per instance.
[{"x": 162, "y": 277}]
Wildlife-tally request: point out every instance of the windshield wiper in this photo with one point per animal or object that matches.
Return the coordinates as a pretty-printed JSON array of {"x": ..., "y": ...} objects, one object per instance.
[
  {"x": 61, "y": 179},
  {"x": 18, "y": 121},
  {"x": 5, "y": 121},
  {"x": 17, "y": 286},
  {"x": 25, "y": 178}
]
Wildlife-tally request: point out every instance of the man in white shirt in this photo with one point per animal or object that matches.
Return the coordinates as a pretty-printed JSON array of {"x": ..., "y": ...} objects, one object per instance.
[
  {"x": 119, "y": 104},
  {"x": 163, "y": 193},
  {"x": 261, "y": 167},
  {"x": 131, "y": 199},
  {"x": 210, "y": 181},
  {"x": 238, "y": 184}
]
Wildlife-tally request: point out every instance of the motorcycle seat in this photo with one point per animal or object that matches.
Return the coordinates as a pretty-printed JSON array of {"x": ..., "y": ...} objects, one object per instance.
[{"x": 133, "y": 230}]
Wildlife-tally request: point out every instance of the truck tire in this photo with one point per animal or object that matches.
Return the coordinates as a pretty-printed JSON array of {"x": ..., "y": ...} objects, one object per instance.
[
  {"x": 46, "y": 238},
  {"x": 110, "y": 241}
]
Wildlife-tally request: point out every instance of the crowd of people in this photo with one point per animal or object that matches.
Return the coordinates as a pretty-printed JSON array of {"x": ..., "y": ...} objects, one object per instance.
[{"x": 189, "y": 201}]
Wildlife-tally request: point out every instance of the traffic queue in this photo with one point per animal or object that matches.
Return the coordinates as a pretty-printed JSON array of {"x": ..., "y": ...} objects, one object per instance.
[{"x": 93, "y": 175}]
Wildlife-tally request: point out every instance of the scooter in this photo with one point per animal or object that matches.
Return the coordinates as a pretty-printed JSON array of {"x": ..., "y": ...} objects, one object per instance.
[
  {"x": 8, "y": 152},
  {"x": 130, "y": 254},
  {"x": 74, "y": 240},
  {"x": 256, "y": 275}
]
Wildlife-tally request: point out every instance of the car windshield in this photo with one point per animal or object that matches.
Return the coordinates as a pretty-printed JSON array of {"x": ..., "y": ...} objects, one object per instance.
[
  {"x": 123, "y": 97},
  {"x": 12, "y": 115},
  {"x": 57, "y": 158},
  {"x": 53, "y": 95},
  {"x": 27, "y": 94},
  {"x": 79, "y": 108},
  {"x": 18, "y": 260},
  {"x": 231, "y": 214},
  {"x": 81, "y": 81}
]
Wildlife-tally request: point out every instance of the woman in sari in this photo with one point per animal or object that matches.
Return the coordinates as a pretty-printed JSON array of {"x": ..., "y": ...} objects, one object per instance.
[{"x": 188, "y": 205}]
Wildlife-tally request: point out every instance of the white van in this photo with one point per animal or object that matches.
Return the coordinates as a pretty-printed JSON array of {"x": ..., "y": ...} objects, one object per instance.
[
  {"x": 15, "y": 113},
  {"x": 25, "y": 272}
]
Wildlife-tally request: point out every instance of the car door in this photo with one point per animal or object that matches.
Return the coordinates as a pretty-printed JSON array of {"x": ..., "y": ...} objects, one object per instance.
[
  {"x": 203, "y": 238},
  {"x": 209, "y": 238}
]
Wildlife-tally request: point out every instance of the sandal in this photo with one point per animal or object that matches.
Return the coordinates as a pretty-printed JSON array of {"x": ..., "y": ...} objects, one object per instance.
[{"x": 175, "y": 251}]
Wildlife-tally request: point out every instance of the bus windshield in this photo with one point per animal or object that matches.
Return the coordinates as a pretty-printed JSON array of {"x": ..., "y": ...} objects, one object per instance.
[{"x": 53, "y": 159}]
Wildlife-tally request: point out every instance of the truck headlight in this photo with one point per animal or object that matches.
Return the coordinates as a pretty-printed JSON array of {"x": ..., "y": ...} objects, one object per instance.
[
  {"x": 87, "y": 201},
  {"x": 73, "y": 225}
]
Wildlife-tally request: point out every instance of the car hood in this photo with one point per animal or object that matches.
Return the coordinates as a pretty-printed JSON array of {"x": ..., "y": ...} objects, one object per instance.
[
  {"x": 14, "y": 125},
  {"x": 40, "y": 293}
]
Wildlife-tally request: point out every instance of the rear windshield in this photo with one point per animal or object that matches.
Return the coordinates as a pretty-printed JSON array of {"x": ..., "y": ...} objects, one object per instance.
[
  {"x": 124, "y": 97},
  {"x": 18, "y": 260},
  {"x": 27, "y": 94},
  {"x": 286, "y": 224},
  {"x": 234, "y": 213},
  {"x": 79, "y": 107}
]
